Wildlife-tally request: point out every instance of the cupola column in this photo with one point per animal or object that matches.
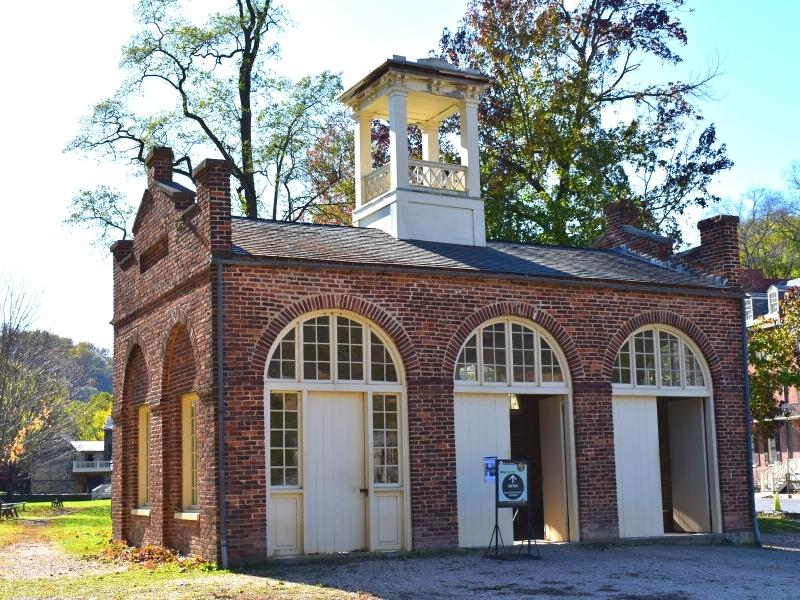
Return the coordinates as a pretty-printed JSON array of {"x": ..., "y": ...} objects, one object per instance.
[
  {"x": 430, "y": 141},
  {"x": 469, "y": 146},
  {"x": 398, "y": 138},
  {"x": 362, "y": 135}
]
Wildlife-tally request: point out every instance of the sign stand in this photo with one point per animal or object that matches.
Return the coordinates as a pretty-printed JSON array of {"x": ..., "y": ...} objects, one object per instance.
[{"x": 511, "y": 491}]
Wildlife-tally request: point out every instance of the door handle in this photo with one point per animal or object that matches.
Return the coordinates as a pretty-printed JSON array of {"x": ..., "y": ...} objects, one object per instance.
[{"x": 364, "y": 491}]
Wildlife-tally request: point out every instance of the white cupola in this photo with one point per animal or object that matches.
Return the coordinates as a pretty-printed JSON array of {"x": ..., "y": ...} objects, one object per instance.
[{"x": 419, "y": 199}]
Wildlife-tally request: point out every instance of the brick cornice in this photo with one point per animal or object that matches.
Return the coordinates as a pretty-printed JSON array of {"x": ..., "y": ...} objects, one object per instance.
[
  {"x": 523, "y": 311},
  {"x": 384, "y": 320}
]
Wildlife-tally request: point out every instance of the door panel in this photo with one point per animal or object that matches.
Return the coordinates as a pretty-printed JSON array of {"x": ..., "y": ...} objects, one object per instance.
[
  {"x": 638, "y": 467},
  {"x": 482, "y": 428},
  {"x": 333, "y": 467},
  {"x": 554, "y": 484},
  {"x": 688, "y": 457}
]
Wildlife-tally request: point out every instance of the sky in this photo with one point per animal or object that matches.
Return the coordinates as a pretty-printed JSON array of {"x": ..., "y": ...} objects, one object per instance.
[{"x": 55, "y": 72}]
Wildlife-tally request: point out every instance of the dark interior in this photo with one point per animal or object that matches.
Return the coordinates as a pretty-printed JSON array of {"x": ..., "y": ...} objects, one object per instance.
[{"x": 525, "y": 445}]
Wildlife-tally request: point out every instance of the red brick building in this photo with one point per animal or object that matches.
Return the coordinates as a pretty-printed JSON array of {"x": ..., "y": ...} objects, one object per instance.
[{"x": 287, "y": 388}]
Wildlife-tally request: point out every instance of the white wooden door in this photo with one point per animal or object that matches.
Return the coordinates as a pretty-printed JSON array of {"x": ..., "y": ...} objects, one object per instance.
[
  {"x": 333, "y": 473},
  {"x": 482, "y": 429},
  {"x": 688, "y": 457},
  {"x": 638, "y": 467},
  {"x": 554, "y": 473}
]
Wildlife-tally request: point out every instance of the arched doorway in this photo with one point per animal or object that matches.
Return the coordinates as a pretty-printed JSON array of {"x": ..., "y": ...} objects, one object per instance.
[
  {"x": 336, "y": 425},
  {"x": 664, "y": 436},
  {"x": 513, "y": 400}
]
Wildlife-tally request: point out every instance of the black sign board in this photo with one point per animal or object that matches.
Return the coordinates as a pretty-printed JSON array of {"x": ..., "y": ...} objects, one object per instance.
[{"x": 511, "y": 483}]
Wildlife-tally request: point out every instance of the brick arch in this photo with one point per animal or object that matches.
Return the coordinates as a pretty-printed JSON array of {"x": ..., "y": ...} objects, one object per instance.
[
  {"x": 134, "y": 342},
  {"x": 384, "y": 320},
  {"x": 135, "y": 389},
  {"x": 172, "y": 343},
  {"x": 522, "y": 311},
  {"x": 654, "y": 318}
]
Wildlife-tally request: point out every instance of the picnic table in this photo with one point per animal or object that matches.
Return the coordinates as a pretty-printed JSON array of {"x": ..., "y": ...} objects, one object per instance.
[{"x": 11, "y": 509}]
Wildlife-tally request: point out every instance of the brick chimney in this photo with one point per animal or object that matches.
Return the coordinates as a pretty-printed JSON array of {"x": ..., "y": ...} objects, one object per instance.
[
  {"x": 212, "y": 178},
  {"x": 159, "y": 164},
  {"x": 622, "y": 217},
  {"x": 619, "y": 214},
  {"x": 719, "y": 248}
]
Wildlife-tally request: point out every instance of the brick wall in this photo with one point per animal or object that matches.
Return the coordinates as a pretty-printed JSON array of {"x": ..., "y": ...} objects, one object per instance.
[
  {"x": 163, "y": 347},
  {"x": 164, "y": 309},
  {"x": 429, "y": 317}
]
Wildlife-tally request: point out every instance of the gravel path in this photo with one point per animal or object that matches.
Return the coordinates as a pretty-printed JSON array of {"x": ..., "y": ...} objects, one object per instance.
[
  {"x": 34, "y": 560},
  {"x": 655, "y": 572}
]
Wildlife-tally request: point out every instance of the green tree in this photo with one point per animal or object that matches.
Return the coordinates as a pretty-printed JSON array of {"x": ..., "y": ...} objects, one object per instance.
[
  {"x": 90, "y": 417},
  {"x": 769, "y": 233},
  {"x": 223, "y": 98},
  {"x": 774, "y": 354},
  {"x": 553, "y": 150}
]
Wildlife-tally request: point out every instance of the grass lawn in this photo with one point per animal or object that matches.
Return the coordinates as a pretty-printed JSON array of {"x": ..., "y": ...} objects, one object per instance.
[
  {"x": 82, "y": 529},
  {"x": 778, "y": 525}
]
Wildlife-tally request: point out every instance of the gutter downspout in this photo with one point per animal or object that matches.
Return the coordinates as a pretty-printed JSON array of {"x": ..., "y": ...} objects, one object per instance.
[
  {"x": 223, "y": 532},
  {"x": 748, "y": 426}
]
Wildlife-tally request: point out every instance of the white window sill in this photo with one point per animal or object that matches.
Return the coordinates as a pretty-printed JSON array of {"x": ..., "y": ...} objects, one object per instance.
[
  {"x": 188, "y": 516},
  {"x": 140, "y": 512}
]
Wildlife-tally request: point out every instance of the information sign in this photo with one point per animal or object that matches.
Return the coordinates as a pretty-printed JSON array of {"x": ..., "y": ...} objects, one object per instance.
[
  {"x": 512, "y": 483},
  {"x": 489, "y": 465}
]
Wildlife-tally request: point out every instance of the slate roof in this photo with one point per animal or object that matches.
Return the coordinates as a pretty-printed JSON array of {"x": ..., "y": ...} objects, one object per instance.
[{"x": 343, "y": 245}]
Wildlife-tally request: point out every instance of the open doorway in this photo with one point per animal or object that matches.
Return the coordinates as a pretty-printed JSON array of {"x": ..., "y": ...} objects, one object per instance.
[
  {"x": 663, "y": 455},
  {"x": 683, "y": 452},
  {"x": 537, "y": 435}
]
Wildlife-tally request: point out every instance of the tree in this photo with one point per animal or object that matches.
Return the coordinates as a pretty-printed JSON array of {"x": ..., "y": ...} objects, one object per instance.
[
  {"x": 33, "y": 388},
  {"x": 769, "y": 233},
  {"x": 90, "y": 417},
  {"x": 774, "y": 355},
  {"x": 554, "y": 151},
  {"x": 222, "y": 96}
]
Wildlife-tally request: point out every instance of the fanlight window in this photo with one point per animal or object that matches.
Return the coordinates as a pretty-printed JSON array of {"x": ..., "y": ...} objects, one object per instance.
[
  {"x": 332, "y": 348},
  {"x": 659, "y": 359},
  {"x": 508, "y": 353}
]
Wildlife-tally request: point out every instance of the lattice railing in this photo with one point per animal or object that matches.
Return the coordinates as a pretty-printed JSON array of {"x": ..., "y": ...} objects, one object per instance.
[
  {"x": 377, "y": 182},
  {"x": 438, "y": 176}
]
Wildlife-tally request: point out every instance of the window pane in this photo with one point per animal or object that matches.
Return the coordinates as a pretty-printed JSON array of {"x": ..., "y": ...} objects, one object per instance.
[
  {"x": 350, "y": 349},
  {"x": 282, "y": 365},
  {"x": 694, "y": 374},
  {"x": 385, "y": 447},
  {"x": 382, "y": 368},
  {"x": 467, "y": 363},
  {"x": 523, "y": 353},
  {"x": 494, "y": 353},
  {"x": 284, "y": 437},
  {"x": 622, "y": 366},
  {"x": 316, "y": 349},
  {"x": 551, "y": 368},
  {"x": 669, "y": 348},
  {"x": 645, "y": 356}
]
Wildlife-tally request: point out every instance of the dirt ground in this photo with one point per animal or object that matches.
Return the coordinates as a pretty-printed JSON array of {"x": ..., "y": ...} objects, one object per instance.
[{"x": 647, "y": 572}]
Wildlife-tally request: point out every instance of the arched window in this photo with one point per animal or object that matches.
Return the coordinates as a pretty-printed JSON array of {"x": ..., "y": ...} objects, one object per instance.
[
  {"x": 658, "y": 358},
  {"x": 507, "y": 352},
  {"x": 332, "y": 347}
]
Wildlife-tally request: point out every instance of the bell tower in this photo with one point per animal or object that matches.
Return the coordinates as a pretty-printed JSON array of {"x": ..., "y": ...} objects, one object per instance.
[{"x": 419, "y": 199}]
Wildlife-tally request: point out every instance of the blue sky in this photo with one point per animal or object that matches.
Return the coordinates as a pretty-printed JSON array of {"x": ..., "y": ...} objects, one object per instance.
[{"x": 53, "y": 74}]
